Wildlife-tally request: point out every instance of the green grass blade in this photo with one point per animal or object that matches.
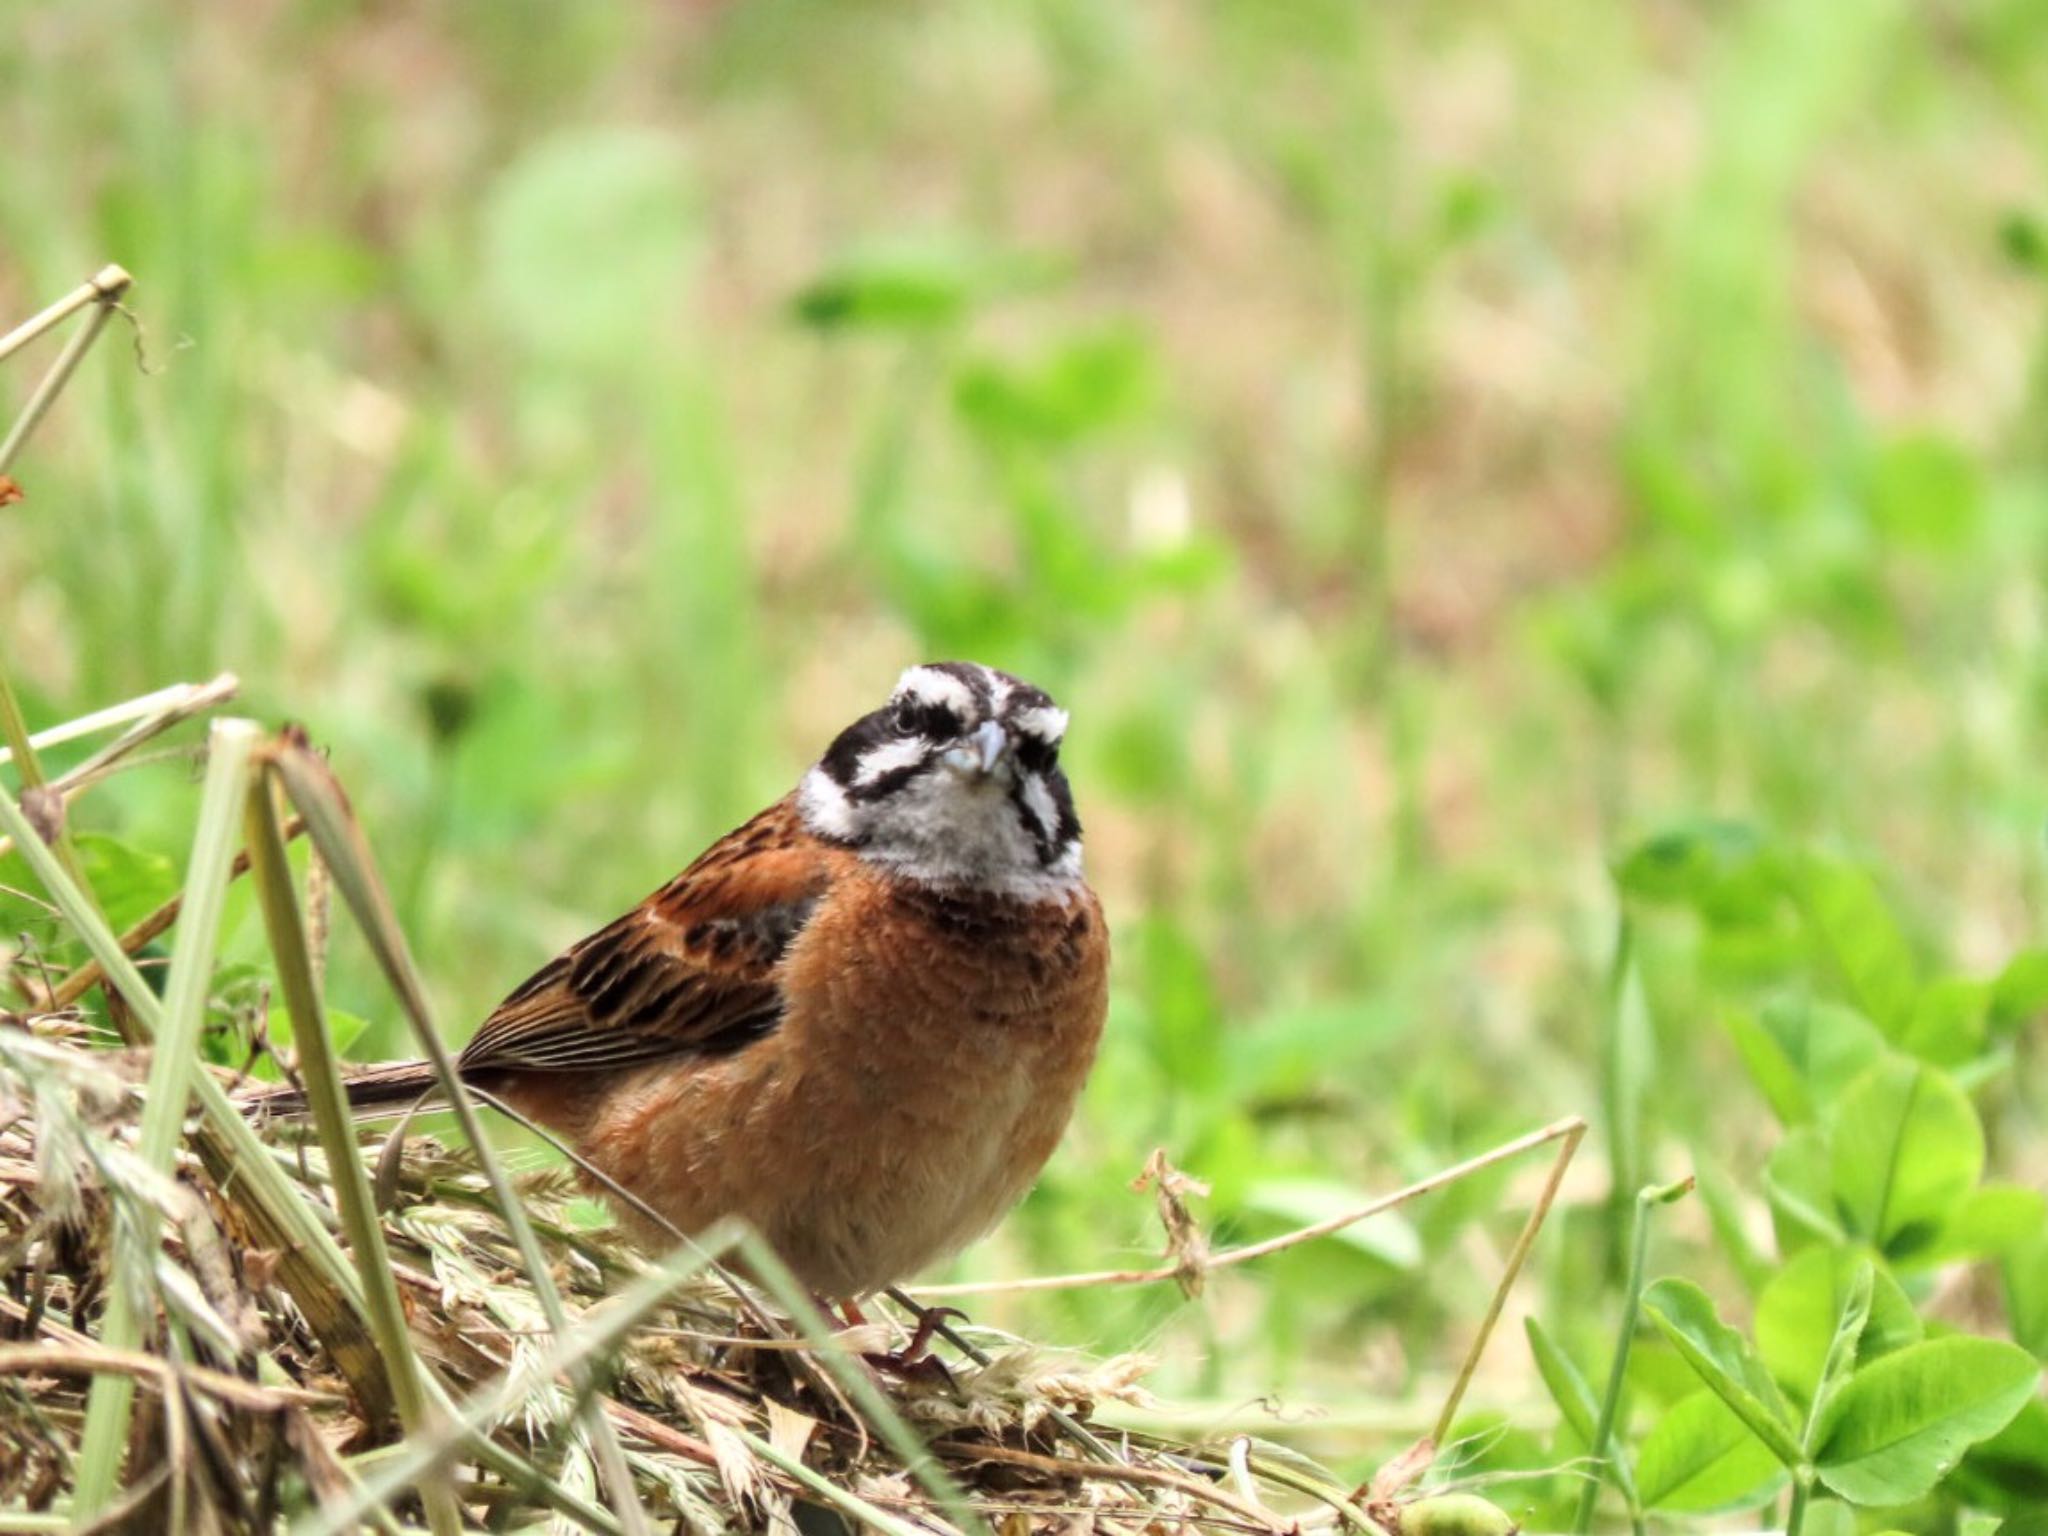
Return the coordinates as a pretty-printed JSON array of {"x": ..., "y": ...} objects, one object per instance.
[
  {"x": 339, "y": 838},
  {"x": 1569, "y": 1389},
  {"x": 767, "y": 1266},
  {"x": 313, "y": 1268},
  {"x": 271, "y": 872},
  {"x": 171, "y": 1069},
  {"x": 1613, "y": 1459},
  {"x": 847, "y": 1503}
]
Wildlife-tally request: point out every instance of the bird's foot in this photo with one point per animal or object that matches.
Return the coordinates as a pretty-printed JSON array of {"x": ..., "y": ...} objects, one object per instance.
[
  {"x": 929, "y": 1321},
  {"x": 915, "y": 1361}
]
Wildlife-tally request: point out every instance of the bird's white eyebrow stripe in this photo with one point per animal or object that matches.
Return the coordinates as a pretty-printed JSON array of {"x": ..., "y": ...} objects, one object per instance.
[
  {"x": 878, "y": 762},
  {"x": 928, "y": 685},
  {"x": 1048, "y": 722}
]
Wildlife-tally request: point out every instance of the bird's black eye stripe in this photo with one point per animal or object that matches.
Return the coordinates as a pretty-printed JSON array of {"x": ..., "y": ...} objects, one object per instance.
[
  {"x": 1042, "y": 840},
  {"x": 1050, "y": 842},
  {"x": 1038, "y": 756},
  {"x": 887, "y": 785},
  {"x": 911, "y": 718}
]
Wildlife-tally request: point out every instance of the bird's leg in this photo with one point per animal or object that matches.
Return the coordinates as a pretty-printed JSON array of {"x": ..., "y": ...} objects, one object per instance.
[
  {"x": 915, "y": 1358},
  {"x": 929, "y": 1321},
  {"x": 914, "y": 1361}
]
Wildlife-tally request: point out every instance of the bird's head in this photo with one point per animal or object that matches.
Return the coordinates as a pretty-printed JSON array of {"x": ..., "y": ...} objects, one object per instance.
[{"x": 955, "y": 781}]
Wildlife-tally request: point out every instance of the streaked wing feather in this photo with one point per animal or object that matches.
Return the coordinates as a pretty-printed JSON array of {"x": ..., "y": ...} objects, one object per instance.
[{"x": 691, "y": 971}]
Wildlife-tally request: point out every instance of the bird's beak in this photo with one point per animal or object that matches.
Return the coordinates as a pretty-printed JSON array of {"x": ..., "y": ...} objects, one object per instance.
[
  {"x": 981, "y": 752},
  {"x": 990, "y": 742}
]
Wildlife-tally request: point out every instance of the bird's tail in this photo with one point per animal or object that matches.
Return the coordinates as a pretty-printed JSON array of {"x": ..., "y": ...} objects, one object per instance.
[{"x": 387, "y": 1089}]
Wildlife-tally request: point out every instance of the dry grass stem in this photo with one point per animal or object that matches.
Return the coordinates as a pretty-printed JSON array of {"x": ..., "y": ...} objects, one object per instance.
[
  {"x": 104, "y": 294},
  {"x": 105, "y": 286},
  {"x": 1179, "y": 1271},
  {"x": 183, "y": 699}
]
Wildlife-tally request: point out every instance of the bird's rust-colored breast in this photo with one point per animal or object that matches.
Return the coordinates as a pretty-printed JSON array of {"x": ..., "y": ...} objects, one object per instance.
[{"x": 929, "y": 1056}]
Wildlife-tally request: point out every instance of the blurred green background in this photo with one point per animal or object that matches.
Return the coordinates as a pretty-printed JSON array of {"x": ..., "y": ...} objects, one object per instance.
[{"x": 1428, "y": 447}]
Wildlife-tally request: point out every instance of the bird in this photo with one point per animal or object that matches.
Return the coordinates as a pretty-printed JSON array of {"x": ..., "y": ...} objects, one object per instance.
[{"x": 860, "y": 1021}]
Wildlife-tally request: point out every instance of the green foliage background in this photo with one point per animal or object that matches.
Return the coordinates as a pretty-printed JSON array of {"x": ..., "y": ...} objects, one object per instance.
[{"x": 1443, "y": 455}]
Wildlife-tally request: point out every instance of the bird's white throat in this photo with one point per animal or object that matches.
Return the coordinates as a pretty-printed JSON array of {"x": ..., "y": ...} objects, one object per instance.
[{"x": 945, "y": 828}]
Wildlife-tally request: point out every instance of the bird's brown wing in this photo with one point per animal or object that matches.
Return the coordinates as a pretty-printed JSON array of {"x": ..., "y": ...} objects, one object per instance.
[{"x": 691, "y": 971}]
